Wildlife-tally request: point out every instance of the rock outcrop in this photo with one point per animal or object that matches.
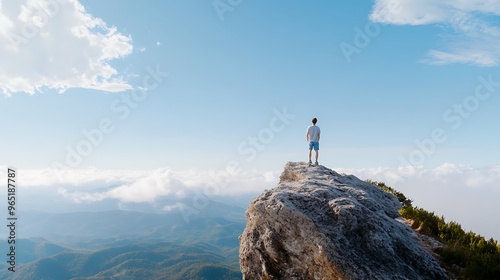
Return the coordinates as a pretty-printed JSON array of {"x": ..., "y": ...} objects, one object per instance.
[{"x": 318, "y": 224}]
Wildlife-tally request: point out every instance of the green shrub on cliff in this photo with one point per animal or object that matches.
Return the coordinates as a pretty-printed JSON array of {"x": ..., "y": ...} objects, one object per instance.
[
  {"x": 479, "y": 258},
  {"x": 400, "y": 196}
]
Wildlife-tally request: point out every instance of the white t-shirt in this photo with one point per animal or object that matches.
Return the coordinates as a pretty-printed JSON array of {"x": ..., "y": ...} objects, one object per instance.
[{"x": 313, "y": 131}]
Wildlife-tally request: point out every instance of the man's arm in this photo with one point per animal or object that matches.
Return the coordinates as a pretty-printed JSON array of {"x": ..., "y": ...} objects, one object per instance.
[
  {"x": 319, "y": 134},
  {"x": 307, "y": 136}
]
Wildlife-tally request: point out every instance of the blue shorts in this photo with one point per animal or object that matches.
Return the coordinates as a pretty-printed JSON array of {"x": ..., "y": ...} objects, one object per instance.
[{"x": 314, "y": 144}]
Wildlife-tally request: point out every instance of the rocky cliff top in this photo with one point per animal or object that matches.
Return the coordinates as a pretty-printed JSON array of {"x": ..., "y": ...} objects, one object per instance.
[{"x": 318, "y": 224}]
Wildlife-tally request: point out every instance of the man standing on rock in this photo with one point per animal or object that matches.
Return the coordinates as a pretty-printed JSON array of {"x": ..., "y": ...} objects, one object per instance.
[{"x": 312, "y": 136}]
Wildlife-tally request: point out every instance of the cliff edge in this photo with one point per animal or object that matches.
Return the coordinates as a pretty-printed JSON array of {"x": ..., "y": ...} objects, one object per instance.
[{"x": 318, "y": 224}]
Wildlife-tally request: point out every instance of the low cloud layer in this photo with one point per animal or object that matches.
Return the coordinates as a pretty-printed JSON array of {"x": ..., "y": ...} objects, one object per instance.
[
  {"x": 459, "y": 192},
  {"x": 57, "y": 44},
  {"x": 460, "y": 175},
  {"x": 470, "y": 31},
  {"x": 148, "y": 185},
  {"x": 91, "y": 185}
]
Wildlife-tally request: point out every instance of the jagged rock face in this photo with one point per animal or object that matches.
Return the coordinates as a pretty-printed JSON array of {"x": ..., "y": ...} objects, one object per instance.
[{"x": 317, "y": 224}]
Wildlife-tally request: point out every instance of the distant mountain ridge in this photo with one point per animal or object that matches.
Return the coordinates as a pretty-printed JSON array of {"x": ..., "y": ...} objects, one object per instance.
[
  {"x": 133, "y": 261},
  {"x": 29, "y": 250},
  {"x": 83, "y": 226},
  {"x": 130, "y": 245}
]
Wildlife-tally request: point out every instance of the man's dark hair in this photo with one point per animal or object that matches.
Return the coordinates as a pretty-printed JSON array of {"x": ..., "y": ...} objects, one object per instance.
[{"x": 314, "y": 120}]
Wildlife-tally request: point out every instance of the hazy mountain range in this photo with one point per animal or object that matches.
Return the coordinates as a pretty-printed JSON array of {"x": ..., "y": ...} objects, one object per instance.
[
  {"x": 129, "y": 244},
  {"x": 134, "y": 261}
]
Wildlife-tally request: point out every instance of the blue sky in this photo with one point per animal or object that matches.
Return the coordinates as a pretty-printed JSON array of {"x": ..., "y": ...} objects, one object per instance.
[{"x": 186, "y": 85}]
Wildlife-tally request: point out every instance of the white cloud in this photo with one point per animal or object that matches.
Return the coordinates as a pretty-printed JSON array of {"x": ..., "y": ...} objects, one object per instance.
[
  {"x": 91, "y": 185},
  {"x": 170, "y": 208},
  {"x": 80, "y": 196},
  {"x": 444, "y": 175},
  {"x": 419, "y": 12},
  {"x": 48, "y": 177},
  {"x": 56, "y": 44},
  {"x": 406, "y": 12},
  {"x": 471, "y": 37},
  {"x": 160, "y": 183}
]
